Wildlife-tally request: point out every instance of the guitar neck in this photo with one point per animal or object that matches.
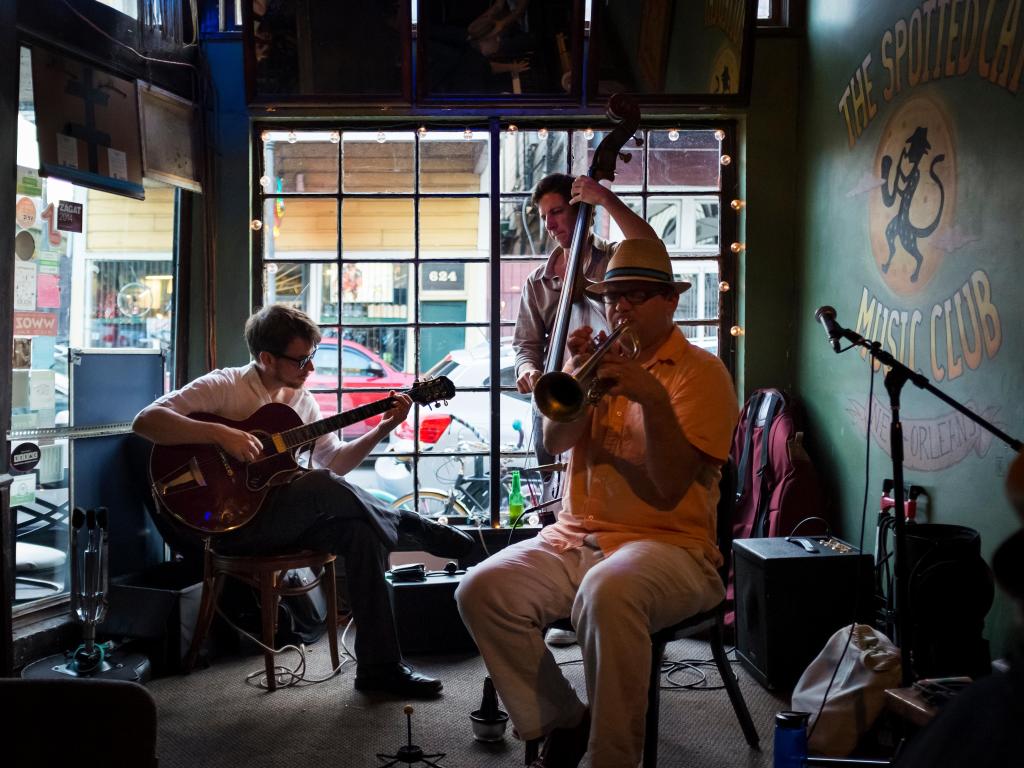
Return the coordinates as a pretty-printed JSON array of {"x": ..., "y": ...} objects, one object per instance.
[{"x": 307, "y": 433}]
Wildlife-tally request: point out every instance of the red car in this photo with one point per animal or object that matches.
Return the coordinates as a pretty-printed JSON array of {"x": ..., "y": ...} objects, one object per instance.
[{"x": 361, "y": 368}]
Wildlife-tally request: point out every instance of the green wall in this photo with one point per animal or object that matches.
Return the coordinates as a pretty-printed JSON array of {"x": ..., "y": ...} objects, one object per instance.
[{"x": 881, "y": 75}]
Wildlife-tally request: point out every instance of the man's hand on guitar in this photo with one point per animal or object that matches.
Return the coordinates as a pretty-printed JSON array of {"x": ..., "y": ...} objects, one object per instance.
[
  {"x": 398, "y": 412},
  {"x": 240, "y": 445}
]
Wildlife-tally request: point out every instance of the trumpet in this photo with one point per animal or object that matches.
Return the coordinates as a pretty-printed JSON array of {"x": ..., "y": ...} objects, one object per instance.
[{"x": 563, "y": 397}]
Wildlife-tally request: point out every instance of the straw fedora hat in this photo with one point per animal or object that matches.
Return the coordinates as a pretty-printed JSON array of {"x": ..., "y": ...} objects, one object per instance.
[{"x": 636, "y": 260}]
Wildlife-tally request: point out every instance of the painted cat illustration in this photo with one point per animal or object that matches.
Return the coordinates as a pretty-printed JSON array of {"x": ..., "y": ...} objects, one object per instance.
[{"x": 904, "y": 186}]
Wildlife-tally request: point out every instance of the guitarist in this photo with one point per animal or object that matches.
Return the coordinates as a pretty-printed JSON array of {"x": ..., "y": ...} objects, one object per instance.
[{"x": 318, "y": 509}]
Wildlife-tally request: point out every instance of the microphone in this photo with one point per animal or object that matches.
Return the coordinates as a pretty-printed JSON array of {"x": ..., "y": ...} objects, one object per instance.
[{"x": 827, "y": 317}]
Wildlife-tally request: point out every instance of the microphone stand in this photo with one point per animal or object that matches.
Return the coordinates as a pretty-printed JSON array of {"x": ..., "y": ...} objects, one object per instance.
[{"x": 895, "y": 379}]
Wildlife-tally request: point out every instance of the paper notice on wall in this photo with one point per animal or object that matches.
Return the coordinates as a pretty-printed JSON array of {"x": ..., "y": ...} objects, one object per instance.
[
  {"x": 43, "y": 348},
  {"x": 41, "y": 394},
  {"x": 67, "y": 150},
  {"x": 24, "y": 286},
  {"x": 28, "y": 182},
  {"x": 23, "y": 489},
  {"x": 25, "y": 212},
  {"x": 47, "y": 290},
  {"x": 118, "y": 164}
]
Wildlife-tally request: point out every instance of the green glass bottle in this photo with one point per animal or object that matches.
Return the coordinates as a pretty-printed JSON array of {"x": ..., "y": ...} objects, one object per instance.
[{"x": 515, "y": 500}]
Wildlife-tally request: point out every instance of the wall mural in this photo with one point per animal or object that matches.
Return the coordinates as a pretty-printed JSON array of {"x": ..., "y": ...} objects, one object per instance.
[{"x": 909, "y": 192}]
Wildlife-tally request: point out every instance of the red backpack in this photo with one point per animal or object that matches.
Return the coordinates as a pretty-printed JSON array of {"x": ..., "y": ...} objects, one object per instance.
[{"x": 776, "y": 482}]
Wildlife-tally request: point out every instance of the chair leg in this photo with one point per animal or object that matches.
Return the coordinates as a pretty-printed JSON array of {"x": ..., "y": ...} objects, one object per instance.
[
  {"x": 268, "y": 610},
  {"x": 653, "y": 706},
  {"x": 732, "y": 686},
  {"x": 212, "y": 585},
  {"x": 332, "y": 611}
]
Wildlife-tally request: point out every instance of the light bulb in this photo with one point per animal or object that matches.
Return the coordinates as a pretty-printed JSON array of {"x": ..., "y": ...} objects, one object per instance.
[
  {"x": 381, "y": 138},
  {"x": 588, "y": 134},
  {"x": 737, "y": 205},
  {"x": 256, "y": 225},
  {"x": 720, "y": 135},
  {"x": 335, "y": 137},
  {"x": 467, "y": 134},
  {"x": 723, "y": 287},
  {"x": 265, "y": 182},
  {"x": 442, "y": 520},
  {"x": 737, "y": 247},
  {"x": 533, "y": 519},
  {"x": 271, "y": 269},
  {"x": 422, "y": 131},
  {"x": 292, "y": 138},
  {"x": 736, "y": 330},
  {"x": 542, "y": 133},
  {"x": 265, "y": 136},
  {"x": 726, "y": 159},
  {"x": 513, "y": 128},
  {"x": 673, "y": 135}
]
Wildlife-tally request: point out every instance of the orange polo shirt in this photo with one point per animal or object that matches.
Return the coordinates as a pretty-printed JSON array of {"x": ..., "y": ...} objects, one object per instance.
[{"x": 610, "y": 499}]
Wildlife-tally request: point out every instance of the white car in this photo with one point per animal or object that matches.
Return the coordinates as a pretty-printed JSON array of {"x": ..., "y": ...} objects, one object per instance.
[{"x": 461, "y": 425}]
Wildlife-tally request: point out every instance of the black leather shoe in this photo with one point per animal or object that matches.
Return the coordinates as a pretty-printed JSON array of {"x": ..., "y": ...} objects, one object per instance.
[
  {"x": 400, "y": 679},
  {"x": 434, "y": 538}
]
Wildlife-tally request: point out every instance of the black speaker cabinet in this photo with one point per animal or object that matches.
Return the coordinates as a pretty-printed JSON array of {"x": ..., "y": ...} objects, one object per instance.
[
  {"x": 427, "y": 617},
  {"x": 789, "y": 601}
]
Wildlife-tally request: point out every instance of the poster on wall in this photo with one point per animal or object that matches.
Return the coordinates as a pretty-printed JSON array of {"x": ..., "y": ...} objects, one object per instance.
[{"x": 87, "y": 124}]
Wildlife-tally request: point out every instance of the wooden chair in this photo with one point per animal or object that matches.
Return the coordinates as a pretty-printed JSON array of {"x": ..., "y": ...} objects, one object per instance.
[
  {"x": 265, "y": 574},
  {"x": 708, "y": 623}
]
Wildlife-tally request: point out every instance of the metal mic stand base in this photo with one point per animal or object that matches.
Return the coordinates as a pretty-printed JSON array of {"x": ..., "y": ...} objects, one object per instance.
[{"x": 116, "y": 665}]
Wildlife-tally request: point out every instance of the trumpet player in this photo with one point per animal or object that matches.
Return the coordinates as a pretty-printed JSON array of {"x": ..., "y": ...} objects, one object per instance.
[{"x": 634, "y": 548}]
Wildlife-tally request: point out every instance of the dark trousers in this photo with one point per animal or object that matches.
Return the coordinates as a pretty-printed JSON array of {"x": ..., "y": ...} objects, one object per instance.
[{"x": 319, "y": 510}]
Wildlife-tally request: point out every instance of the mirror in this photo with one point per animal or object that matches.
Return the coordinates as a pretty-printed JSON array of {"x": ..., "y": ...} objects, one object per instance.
[
  {"x": 673, "y": 51},
  {"x": 486, "y": 50},
  {"x": 326, "y": 50}
]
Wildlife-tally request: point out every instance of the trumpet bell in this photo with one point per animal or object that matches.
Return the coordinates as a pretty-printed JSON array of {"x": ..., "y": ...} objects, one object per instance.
[{"x": 559, "y": 396}]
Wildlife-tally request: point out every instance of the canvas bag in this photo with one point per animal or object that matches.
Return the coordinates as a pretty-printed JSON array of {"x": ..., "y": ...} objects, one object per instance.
[{"x": 870, "y": 664}]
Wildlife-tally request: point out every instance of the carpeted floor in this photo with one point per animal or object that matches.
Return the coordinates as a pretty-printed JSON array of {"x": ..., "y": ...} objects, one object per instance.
[{"x": 213, "y": 717}]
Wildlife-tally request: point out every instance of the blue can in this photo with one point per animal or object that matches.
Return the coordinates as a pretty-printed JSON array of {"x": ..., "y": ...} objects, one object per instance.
[{"x": 790, "y": 739}]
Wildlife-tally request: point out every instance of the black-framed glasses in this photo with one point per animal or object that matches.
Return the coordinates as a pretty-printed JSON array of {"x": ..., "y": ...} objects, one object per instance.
[
  {"x": 635, "y": 297},
  {"x": 301, "y": 362}
]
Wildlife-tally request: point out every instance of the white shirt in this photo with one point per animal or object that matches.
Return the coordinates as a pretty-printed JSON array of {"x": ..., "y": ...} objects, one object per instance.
[{"x": 235, "y": 393}]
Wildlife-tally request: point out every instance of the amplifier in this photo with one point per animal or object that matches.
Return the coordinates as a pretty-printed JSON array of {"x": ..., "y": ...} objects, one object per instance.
[
  {"x": 792, "y": 594},
  {"x": 426, "y": 615}
]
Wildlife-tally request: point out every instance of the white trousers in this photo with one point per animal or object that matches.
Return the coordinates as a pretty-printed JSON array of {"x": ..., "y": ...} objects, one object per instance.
[{"x": 615, "y": 602}]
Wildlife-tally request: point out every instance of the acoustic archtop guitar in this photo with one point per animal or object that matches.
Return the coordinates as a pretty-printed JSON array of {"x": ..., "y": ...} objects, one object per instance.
[{"x": 205, "y": 488}]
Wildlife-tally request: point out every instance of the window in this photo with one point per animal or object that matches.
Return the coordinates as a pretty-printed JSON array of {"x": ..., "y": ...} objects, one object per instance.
[
  {"x": 92, "y": 270},
  {"x": 384, "y": 238}
]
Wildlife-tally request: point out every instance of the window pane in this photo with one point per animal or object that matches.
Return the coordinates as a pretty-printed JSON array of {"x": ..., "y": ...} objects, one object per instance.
[
  {"x": 703, "y": 336},
  {"x": 296, "y": 228},
  {"x": 454, "y": 227},
  {"x": 373, "y": 292},
  {"x": 460, "y": 353},
  {"x": 299, "y": 161},
  {"x": 691, "y": 161},
  {"x": 702, "y": 296},
  {"x": 628, "y": 174},
  {"x": 513, "y": 277},
  {"x": 605, "y": 227},
  {"x": 686, "y": 224},
  {"x": 451, "y": 163},
  {"x": 378, "y": 228},
  {"x": 529, "y": 156},
  {"x": 377, "y": 161},
  {"x": 522, "y": 231},
  {"x": 313, "y": 288}
]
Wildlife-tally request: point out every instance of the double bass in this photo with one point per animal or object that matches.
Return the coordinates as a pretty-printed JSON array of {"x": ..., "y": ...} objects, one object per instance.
[{"x": 626, "y": 113}]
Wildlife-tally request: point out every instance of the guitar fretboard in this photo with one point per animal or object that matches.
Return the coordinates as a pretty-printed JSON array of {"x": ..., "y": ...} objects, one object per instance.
[{"x": 307, "y": 433}]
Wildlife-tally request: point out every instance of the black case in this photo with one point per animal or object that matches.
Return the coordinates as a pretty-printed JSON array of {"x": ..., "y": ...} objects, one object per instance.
[{"x": 790, "y": 601}]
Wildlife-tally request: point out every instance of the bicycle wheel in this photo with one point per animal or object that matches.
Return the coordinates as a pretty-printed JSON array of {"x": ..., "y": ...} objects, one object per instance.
[{"x": 432, "y": 504}]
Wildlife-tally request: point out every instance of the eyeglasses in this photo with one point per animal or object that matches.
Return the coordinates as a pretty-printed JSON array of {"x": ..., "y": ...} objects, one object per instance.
[
  {"x": 635, "y": 297},
  {"x": 301, "y": 362}
]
